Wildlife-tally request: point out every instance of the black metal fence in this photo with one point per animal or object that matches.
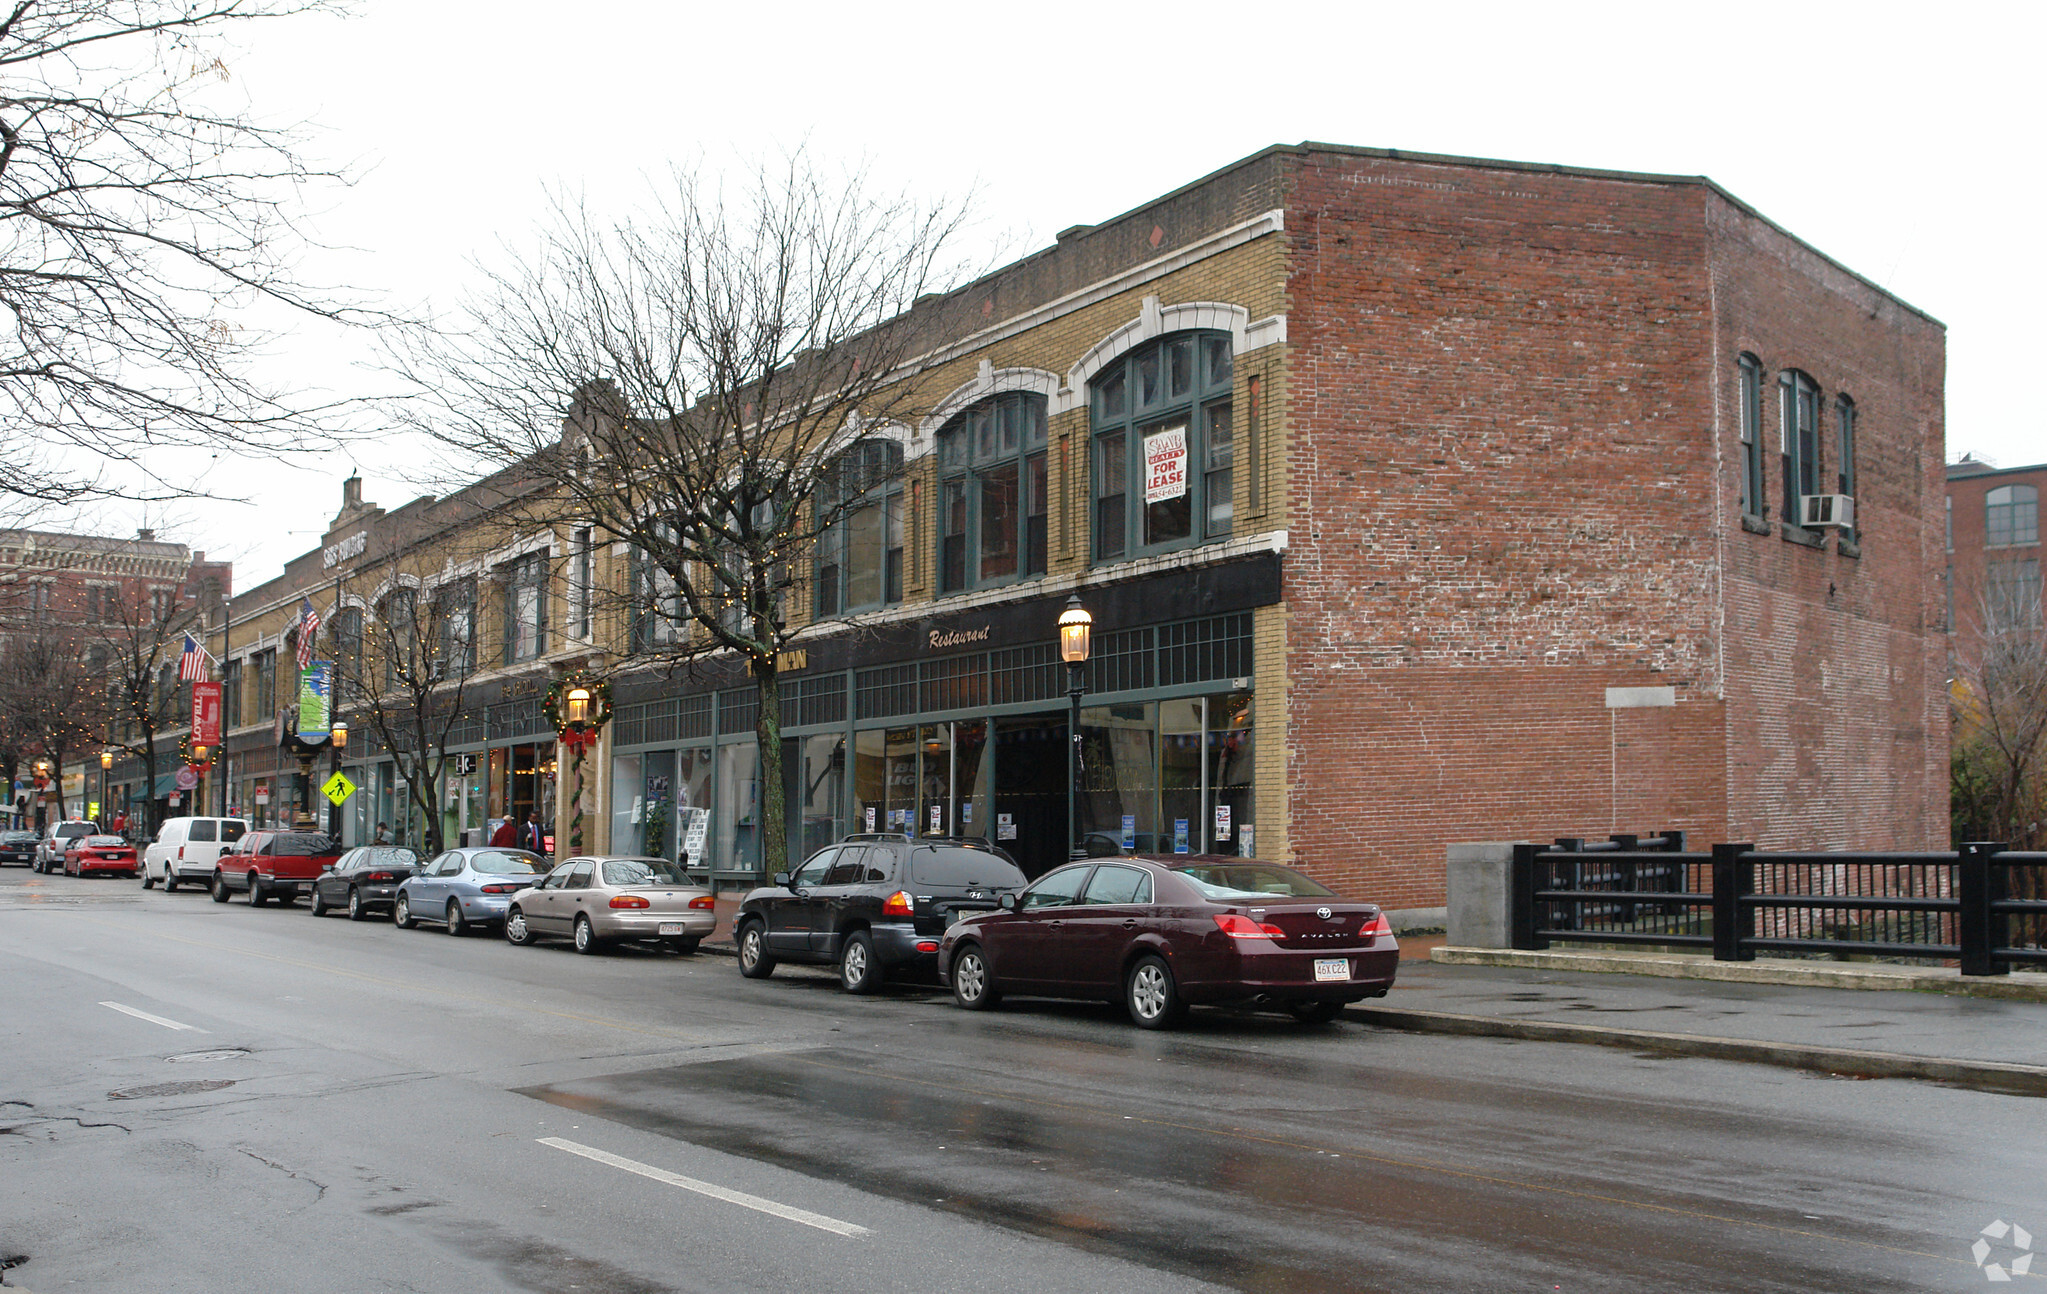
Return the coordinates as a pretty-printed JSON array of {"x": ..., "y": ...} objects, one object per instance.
[{"x": 1983, "y": 907}]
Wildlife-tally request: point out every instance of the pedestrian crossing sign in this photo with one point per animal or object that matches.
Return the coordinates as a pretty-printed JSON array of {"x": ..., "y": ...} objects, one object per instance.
[{"x": 338, "y": 789}]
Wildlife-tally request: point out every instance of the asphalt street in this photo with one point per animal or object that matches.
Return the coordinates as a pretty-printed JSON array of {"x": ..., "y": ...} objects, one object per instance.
[{"x": 210, "y": 1098}]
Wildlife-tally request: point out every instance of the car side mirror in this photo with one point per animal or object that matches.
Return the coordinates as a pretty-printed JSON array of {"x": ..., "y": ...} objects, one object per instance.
[
  {"x": 782, "y": 879},
  {"x": 1007, "y": 902}
]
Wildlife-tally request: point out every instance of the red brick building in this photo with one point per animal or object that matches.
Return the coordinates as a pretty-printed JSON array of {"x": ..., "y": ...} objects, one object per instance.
[{"x": 1993, "y": 548}]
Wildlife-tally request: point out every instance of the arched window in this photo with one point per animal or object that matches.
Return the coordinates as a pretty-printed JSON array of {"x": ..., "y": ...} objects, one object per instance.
[
  {"x": 1162, "y": 446},
  {"x": 1801, "y": 434},
  {"x": 860, "y": 529},
  {"x": 2011, "y": 516},
  {"x": 1752, "y": 436},
  {"x": 992, "y": 493}
]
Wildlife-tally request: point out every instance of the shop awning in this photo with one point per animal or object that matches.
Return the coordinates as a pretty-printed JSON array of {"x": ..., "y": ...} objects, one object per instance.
[{"x": 165, "y": 784}]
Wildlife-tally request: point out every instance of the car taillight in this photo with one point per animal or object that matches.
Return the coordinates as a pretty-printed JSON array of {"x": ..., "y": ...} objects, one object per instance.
[
  {"x": 899, "y": 904},
  {"x": 502, "y": 889},
  {"x": 1377, "y": 925},
  {"x": 1237, "y": 926},
  {"x": 629, "y": 901},
  {"x": 381, "y": 876},
  {"x": 704, "y": 904},
  {"x": 181, "y": 853}
]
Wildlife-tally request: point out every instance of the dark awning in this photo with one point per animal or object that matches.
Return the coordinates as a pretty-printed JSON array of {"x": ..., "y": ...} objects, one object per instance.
[{"x": 165, "y": 784}]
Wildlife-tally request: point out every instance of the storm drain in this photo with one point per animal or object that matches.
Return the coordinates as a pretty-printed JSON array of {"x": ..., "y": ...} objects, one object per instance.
[
  {"x": 172, "y": 1089},
  {"x": 201, "y": 1057}
]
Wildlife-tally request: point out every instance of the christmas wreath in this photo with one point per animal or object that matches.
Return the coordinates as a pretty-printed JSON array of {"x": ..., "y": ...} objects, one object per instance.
[{"x": 555, "y": 706}]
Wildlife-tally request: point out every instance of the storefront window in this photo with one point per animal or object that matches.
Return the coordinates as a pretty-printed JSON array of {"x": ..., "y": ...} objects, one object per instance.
[
  {"x": 1118, "y": 804},
  {"x": 693, "y": 805},
  {"x": 628, "y": 803},
  {"x": 736, "y": 820},
  {"x": 822, "y": 794}
]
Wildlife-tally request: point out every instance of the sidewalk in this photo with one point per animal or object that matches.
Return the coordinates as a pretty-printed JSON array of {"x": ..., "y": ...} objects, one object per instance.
[{"x": 1977, "y": 1042}]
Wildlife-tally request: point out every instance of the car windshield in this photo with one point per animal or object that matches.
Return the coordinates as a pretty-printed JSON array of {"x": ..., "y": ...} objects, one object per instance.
[
  {"x": 955, "y": 868},
  {"x": 499, "y": 862},
  {"x": 72, "y": 830},
  {"x": 18, "y": 838},
  {"x": 104, "y": 840},
  {"x": 388, "y": 856},
  {"x": 642, "y": 871},
  {"x": 303, "y": 844},
  {"x": 1229, "y": 882}
]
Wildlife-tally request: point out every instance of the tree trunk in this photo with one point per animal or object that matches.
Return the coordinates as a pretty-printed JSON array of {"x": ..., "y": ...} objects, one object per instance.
[{"x": 767, "y": 734}]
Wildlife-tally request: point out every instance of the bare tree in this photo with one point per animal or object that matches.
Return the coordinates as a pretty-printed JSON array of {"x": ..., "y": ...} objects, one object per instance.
[
  {"x": 713, "y": 362},
  {"x": 137, "y": 219},
  {"x": 135, "y": 647},
  {"x": 58, "y": 699},
  {"x": 1999, "y": 760},
  {"x": 403, "y": 669}
]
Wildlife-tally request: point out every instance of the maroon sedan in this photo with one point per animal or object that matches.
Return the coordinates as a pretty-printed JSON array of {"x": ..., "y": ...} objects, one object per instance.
[
  {"x": 89, "y": 854},
  {"x": 1162, "y": 933}
]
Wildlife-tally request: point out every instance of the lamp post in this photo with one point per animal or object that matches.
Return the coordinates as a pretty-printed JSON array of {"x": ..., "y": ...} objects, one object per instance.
[
  {"x": 337, "y": 740},
  {"x": 1075, "y": 629},
  {"x": 106, "y": 764}
]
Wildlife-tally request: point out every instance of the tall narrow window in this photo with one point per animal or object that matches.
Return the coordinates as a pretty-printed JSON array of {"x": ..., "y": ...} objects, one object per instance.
[
  {"x": 526, "y": 607},
  {"x": 455, "y": 612},
  {"x": 992, "y": 493},
  {"x": 1801, "y": 442},
  {"x": 1752, "y": 437},
  {"x": 2011, "y": 516},
  {"x": 2013, "y": 590},
  {"x": 860, "y": 539},
  {"x": 579, "y": 624},
  {"x": 401, "y": 636},
  {"x": 1164, "y": 446},
  {"x": 266, "y": 684}
]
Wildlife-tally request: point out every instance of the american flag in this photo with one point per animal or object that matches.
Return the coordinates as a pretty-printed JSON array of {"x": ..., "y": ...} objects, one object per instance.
[
  {"x": 309, "y": 628},
  {"x": 194, "y": 662}
]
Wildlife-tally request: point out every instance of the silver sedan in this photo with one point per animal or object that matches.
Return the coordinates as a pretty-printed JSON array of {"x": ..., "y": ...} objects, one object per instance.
[{"x": 598, "y": 901}]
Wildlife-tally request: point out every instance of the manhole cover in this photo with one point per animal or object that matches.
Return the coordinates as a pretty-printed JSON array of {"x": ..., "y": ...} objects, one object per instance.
[
  {"x": 172, "y": 1089},
  {"x": 201, "y": 1057}
]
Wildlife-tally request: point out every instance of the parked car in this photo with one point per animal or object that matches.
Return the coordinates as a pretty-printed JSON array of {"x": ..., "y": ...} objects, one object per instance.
[
  {"x": 465, "y": 887},
  {"x": 1164, "y": 932},
  {"x": 874, "y": 905},
  {"x": 601, "y": 901},
  {"x": 50, "y": 849},
  {"x": 273, "y": 864},
  {"x": 89, "y": 854},
  {"x": 363, "y": 880},
  {"x": 18, "y": 847},
  {"x": 186, "y": 849}
]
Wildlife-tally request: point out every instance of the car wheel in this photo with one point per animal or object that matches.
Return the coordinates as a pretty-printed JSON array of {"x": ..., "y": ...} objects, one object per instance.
[
  {"x": 1150, "y": 996},
  {"x": 971, "y": 987},
  {"x": 456, "y": 925},
  {"x": 859, "y": 972},
  {"x": 1314, "y": 1012},
  {"x": 170, "y": 879},
  {"x": 148, "y": 881},
  {"x": 356, "y": 911},
  {"x": 685, "y": 946},
  {"x": 587, "y": 941},
  {"x": 401, "y": 913},
  {"x": 257, "y": 898},
  {"x": 220, "y": 887},
  {"x": 317, "y": 905},
  {"x": 515, "y": 928},
  {"x": 754, "y": 962}
]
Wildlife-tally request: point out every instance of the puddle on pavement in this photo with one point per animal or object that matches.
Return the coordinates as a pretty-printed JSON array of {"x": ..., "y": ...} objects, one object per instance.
[
  {"x": 207, "y": 1057},
  {"x": 171, "y": 1089}
]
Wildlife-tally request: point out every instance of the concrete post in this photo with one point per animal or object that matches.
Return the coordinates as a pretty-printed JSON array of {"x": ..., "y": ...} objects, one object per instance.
[{"x": 1479, "y": 894}]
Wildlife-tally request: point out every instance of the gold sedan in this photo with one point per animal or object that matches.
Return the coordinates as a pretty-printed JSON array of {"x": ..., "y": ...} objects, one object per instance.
[{"x": 601, "y": 901}]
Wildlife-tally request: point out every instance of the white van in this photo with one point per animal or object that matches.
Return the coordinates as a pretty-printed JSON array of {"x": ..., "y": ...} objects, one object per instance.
[{"x": 187, "y": 848}]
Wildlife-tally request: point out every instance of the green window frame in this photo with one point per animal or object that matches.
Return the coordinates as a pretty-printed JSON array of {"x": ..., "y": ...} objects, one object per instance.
[
  {"x": 2011, "y": 517},
  {"x": 1752, "y": 436},
  {"x": 1801, "y": 431},
  {"x": 860, "y": 537},
  {"x": 1161, "y": 415},
  {"x": 993, "y": 495}
]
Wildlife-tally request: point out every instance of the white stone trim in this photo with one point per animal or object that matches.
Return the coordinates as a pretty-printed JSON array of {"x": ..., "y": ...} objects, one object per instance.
[
  {"x": 989, "y": 381},
  {"x": 1154, "y": 320}
]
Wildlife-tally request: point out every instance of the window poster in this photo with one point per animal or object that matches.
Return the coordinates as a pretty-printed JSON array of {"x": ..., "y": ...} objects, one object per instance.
[
  {"x": 1179, "y": 835},
  {"x": 1222, "y": 822},
  {"x": 1165, "y": 464},
  {"x": 1005, "y": 826},
  {"x": 1129, "y": 831},
  {"x": 870, "y": 817}
]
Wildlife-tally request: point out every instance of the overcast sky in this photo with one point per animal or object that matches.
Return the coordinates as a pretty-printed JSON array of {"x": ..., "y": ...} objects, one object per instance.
[{"x": 1902, "y": 141}]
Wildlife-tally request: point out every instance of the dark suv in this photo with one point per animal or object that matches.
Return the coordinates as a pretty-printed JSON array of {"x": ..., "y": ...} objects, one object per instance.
[{"x": 873, "y": 904}]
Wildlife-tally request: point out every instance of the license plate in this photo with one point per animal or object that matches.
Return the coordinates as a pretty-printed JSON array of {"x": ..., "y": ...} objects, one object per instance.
[
  {"x": 1332, "y": 968},
  {"x": 671, "y": 927}
]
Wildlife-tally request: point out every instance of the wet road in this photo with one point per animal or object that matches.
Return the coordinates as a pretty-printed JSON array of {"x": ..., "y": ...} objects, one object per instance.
[{"x": 203, "y": 1097}]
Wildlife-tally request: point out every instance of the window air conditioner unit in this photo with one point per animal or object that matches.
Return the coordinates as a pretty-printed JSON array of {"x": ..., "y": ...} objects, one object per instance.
[{"x": 1817, "y": 511}]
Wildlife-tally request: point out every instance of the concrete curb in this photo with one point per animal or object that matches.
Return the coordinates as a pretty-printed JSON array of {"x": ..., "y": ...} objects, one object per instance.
[
  {"x": 1984, "y": 1075},
  {"x": 1763, "y": 970}
]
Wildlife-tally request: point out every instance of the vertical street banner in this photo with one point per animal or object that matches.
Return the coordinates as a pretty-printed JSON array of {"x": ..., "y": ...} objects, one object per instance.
[
  {"x": 206, "y": 714},
  {"x": 316, "y": 691}
]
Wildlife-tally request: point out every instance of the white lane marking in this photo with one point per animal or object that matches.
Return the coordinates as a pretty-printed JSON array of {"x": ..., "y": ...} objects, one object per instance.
[
  {"x": 741, "y": 1198},
  {"x": 153, "y": 1019}
]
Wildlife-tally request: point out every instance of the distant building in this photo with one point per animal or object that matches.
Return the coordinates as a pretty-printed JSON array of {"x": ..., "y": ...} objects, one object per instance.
[{"x": 1993, "y": 550}]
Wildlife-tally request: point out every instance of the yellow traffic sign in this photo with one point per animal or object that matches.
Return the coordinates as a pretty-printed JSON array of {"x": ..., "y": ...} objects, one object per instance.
[{"x": 338, "y": 788}]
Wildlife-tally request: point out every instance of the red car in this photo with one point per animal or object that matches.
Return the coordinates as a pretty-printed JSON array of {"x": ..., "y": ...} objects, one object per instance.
[
  {"x": 274, "y": 864},
  {"x": 1161, "y": 933},
  {"x": 88, "y": 854}
]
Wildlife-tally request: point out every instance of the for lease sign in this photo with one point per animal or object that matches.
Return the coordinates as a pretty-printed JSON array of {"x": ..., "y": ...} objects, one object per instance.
[{"x": 1165, "y": 464}]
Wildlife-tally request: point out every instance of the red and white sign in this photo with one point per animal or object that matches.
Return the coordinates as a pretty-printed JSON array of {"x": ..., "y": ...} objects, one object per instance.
[
  {"x": 1165, "y": 464},
  {"x": 206, "y": 714}
]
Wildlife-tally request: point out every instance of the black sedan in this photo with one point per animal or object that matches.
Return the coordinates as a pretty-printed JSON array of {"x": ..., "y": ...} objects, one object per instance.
[
  {"x": 18, "y": 847},
  {"x": 1164, "y": 932},
  {"x": 363, "y": 881}
]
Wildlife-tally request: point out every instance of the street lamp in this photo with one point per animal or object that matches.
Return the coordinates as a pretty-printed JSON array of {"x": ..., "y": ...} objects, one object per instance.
[
  {"x": 1075, "y": 630},
  {"x": 577, "y": 707},
  {"x": 106, "y": 764}
]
